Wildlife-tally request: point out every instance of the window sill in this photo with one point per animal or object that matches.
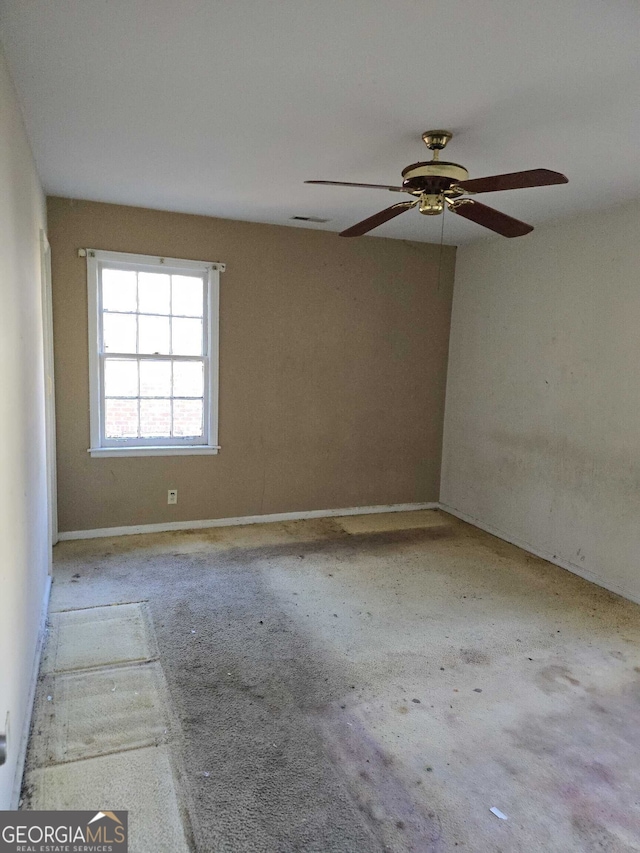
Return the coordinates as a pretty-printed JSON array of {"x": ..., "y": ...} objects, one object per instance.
[{"x": 168, "y": 450}]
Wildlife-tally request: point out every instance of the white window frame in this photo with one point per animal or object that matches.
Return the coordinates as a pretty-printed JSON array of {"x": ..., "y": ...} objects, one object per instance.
[{"x": 101, "y": 446}]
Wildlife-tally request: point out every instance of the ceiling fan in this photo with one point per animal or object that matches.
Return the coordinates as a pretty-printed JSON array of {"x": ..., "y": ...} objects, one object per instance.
[{"x": 437, "y": 183}]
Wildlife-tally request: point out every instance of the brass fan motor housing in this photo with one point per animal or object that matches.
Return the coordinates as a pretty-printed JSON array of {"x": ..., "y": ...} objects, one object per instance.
[{"x": 436, "y": 176}]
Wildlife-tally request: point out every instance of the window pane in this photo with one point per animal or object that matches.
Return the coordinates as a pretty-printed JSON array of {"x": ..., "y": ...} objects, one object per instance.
[
  {"x": 187, "y": 417},
  {"x": 121, "y": 418},
  {"x": 119, "y": 332},
  {"x": 155, "y": 418},
  {"x": 153, "y": 334},
  {"x": 153, "y": 293},
  {"x": 155, "y": 378},
  {"x": 188, "y": 380},
  {"x": 187, "y": 295},
  {"x": 118, "y": 290},
  {"x": 120, "y": 378},
  {"x": 187, "y": 336}
]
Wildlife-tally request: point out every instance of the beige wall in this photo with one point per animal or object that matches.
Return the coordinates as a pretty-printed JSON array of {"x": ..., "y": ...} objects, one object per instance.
[
  {"x": 332, "y": 370},
  {"x": 23, "y": 496},
  {"x": 542, "y": 435}
]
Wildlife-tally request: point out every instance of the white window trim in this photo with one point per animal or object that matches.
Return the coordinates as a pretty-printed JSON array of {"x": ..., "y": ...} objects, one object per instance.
[{"x": 212, "y": 270}]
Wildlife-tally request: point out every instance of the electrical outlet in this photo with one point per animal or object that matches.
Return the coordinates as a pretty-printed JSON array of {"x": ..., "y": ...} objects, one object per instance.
[{"x": 172, "y": 496}]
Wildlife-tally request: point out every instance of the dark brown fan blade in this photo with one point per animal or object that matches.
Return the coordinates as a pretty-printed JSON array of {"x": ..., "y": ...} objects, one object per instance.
[
  {"x": 490, "y": 218},
  {"x": 377, "y": 219},
  {"x": 370, "y": 186},
  {"x": 515, "y": 181}
]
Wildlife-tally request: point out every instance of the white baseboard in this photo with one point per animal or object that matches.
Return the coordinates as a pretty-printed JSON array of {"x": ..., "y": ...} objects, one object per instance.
[
  {"x": 594, "y": 577},
  {"x": 246, "y": 519},
  {"x": 26, "y": 726}
]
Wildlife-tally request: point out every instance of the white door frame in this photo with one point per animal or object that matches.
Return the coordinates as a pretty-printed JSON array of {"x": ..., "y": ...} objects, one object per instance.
[{"x": 49, "y": 393}]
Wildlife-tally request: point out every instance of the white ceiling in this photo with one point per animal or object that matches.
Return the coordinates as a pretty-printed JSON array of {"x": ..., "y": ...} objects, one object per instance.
[{"x": 225, "y": 107}]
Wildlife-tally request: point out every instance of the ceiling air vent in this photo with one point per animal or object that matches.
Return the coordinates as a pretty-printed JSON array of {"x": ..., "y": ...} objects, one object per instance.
[{"x": 309, "y": 219}]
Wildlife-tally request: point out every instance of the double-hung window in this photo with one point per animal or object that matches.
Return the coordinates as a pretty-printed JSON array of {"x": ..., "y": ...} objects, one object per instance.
[{"x": 153, "y": 354}]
